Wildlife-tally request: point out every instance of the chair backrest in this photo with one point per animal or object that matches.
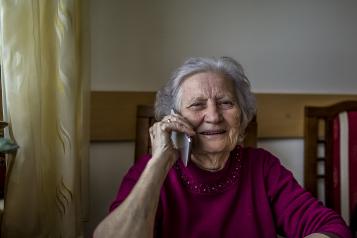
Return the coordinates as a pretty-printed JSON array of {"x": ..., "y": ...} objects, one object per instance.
[
  {"x": 326, "y": 166},
  {"x": 145, "y": 118}
]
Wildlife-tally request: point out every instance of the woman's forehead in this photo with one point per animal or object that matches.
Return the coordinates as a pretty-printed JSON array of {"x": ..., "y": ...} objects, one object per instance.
[{"x": 207, "y": 85}]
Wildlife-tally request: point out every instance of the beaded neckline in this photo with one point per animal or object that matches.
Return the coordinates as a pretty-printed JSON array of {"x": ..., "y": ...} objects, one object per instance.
[{"x": 220, "y": 185}]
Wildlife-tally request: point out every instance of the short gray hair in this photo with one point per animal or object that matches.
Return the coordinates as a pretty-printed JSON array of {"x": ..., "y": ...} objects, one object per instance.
[{"x": 167, "y": 97}]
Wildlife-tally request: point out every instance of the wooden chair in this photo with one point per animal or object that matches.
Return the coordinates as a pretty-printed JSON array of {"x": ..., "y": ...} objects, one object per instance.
[
  {"x": 145, "y": 118},
  {"x": 323, "y": 165}
]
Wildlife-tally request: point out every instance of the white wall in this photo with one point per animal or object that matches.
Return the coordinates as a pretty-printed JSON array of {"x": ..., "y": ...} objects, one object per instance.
[
  {"x": 290, "y": 153},
  {"x": 108, "y": 163},
  {"x": 285, "y": 46}
]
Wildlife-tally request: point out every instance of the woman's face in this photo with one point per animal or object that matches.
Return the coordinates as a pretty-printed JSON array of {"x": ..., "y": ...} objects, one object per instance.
[{"x": 208, "y": 102}]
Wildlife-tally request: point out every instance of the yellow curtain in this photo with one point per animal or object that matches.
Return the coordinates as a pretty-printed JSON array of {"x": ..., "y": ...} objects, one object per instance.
[{"x": 46, "y": 101}]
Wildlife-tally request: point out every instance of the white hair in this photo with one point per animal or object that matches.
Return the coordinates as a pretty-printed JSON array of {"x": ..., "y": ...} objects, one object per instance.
[{"x": 168, "y": 96}]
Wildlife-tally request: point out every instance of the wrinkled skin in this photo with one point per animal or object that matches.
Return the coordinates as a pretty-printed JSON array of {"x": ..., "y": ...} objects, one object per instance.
[{"x": 209, "y": 113}]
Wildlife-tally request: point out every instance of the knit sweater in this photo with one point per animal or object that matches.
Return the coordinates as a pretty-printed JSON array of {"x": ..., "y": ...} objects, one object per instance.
[{"x": 252, "y": 196}]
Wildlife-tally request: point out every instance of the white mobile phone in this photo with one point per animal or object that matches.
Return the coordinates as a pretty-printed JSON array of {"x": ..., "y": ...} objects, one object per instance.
[{"x": 182, "y": 142}]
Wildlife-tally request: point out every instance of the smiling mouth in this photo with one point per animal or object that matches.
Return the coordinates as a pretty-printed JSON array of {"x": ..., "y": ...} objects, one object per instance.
[{"x": 213, "y": 132}]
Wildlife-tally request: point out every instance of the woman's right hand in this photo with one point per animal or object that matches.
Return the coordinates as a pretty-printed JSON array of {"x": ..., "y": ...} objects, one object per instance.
[{"x": 160, "y": 136}]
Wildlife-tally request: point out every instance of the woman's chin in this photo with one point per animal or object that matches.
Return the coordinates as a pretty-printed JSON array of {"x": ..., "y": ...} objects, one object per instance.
[{"x": 212, "y": 149}]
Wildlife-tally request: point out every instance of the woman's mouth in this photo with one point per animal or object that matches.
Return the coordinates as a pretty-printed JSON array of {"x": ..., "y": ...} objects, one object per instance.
[{"x": 212, "y": 132}]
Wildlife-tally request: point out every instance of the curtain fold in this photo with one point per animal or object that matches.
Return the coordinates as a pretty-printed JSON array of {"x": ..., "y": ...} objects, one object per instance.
[{"x": 46, "y": 101}]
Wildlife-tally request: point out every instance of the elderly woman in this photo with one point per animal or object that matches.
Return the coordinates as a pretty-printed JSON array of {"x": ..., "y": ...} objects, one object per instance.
[{"x": 226, "y": 190}]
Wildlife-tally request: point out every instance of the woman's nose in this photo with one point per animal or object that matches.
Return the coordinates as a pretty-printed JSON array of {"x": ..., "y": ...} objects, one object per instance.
[{"x": 213, "y": 114}]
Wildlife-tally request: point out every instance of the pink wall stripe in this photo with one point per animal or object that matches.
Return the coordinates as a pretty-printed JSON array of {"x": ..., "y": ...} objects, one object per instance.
[{"x": 336, "y": 165}]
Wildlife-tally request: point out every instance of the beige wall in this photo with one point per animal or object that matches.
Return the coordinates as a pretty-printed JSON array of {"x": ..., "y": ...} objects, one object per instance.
[{"x": 285, "y": 46}]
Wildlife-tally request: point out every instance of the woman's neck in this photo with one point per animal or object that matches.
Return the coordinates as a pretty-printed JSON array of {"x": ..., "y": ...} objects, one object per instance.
[{"x": 210, "y": 161}]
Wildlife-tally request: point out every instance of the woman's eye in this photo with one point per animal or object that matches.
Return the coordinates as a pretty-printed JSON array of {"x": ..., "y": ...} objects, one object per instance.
[
  {"x": 197, "y": 105},
  {"x": 226, "y": 104}
]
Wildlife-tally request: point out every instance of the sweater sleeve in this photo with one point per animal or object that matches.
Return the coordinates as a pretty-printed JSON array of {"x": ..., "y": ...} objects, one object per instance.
[{"x": 297, "y": 213}]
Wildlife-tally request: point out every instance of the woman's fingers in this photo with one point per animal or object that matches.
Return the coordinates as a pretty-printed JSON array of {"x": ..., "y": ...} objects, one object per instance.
[
  {"x": 160, "y": 139},
  {"x": 176, "y": 122},
  {"x": 162, "y": 148},
  {"x": 160, "y": 132}
]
